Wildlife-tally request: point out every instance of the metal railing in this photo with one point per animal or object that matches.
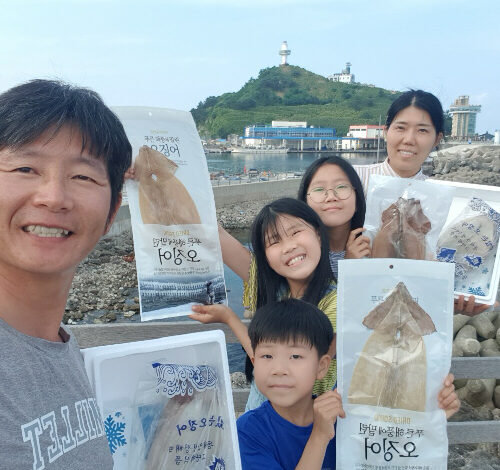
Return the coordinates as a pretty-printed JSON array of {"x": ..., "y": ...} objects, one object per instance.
[{"x": 465, "y": 432}]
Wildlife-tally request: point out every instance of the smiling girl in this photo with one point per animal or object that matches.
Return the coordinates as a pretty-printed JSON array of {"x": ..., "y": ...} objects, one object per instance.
[
  {"x": 290, "y": 259},
  {"x": 332, "y": 188}
]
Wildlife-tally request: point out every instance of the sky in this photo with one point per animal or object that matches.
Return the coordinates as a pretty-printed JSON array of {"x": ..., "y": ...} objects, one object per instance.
[{"x": 175, "y": 54}]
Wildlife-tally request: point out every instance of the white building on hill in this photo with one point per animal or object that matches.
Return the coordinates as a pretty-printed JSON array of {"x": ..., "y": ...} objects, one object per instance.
[{"x": 345, "y": 76}]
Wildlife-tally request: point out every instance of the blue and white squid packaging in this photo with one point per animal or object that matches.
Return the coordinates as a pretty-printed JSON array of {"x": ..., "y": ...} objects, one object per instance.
[
  {"x": 394, "y": 340},
  {"x": 172, "y": 208},
  {"x": 470, "y": 240},
  {"x": 167, "y": 403}
]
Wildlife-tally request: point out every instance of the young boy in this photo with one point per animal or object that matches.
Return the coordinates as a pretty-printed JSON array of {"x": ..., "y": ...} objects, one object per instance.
[
  {"x": 292, "y": 430},
  {"x": 63, "y": 155}
]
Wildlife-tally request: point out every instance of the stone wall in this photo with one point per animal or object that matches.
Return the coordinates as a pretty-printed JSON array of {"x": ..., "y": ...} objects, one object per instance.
[
  {"x": 478, "y": 164},
  {"x": 267, "y": 190}
]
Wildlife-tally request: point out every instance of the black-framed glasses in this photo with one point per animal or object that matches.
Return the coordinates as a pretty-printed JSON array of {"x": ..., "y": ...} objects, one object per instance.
[{"x": 341, "y": 191}]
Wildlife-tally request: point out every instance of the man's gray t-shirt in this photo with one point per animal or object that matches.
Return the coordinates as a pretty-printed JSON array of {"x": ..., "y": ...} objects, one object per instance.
[{"x": 48, "y": 414}]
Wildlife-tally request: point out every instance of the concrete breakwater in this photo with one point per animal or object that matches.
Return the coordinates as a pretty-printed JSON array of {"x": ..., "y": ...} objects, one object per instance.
[{"x": 478, "y": 164}]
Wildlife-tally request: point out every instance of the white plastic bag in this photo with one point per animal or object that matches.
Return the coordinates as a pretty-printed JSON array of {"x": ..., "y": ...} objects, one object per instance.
[
  {"x": 172, "y": 208},
  {"x": 394, "y": 338},
  {"x": 404, "y": 217}
]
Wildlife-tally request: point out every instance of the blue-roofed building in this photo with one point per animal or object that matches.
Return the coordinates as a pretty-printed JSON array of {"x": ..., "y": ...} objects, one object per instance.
[{"x": 291, "y": 135}]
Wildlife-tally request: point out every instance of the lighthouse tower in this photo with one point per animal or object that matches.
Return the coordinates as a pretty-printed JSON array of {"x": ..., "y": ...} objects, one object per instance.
[{"x": 284, "y": 52}]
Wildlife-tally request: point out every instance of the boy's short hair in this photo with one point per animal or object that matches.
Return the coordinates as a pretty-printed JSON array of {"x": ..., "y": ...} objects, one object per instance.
[
  {"x": 35, "y": 107},
  {"x": 291, "y": 320}
]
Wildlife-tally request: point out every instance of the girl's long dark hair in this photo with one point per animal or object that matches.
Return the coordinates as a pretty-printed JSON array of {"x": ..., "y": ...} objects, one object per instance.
[
  {"x": 269, "y": 283},
  {"x": 358, "y": 219}
]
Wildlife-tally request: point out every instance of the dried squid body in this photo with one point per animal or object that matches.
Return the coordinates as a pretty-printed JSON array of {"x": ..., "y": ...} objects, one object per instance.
[
  {"x": 392, "y": 368},
  {"x": 186, "y": 427},
  {"x": 163, "y": 199},
  {"x": 471, "y": 242},
  {"x": 402, "y": 231}
]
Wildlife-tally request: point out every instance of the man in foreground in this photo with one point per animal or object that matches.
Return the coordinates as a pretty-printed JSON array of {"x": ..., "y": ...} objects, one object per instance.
[{"x": 63, "y": 154}]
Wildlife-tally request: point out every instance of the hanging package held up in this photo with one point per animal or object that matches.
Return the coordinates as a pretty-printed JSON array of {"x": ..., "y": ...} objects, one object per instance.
[
  {"x": 403, "y": 219},
  {"x": 177, "y": 251},
  {"x": 470, "y": 239},
  {"x": 166, "y": 403},
  {"x": 394, "y": 351}
]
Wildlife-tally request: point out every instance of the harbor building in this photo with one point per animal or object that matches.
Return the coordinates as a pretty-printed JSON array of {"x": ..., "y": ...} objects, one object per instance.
[
  {"x": 284, "y": 52},
  {"x": 464, "y": 117},
  {"x": 345, "y": 76},
  {"x": 364, "y": 137},
  {"x": 293, "y": 135}
]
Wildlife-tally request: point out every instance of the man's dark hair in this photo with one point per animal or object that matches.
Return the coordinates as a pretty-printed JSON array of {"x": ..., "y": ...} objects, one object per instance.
[
  {"x": 29, "y": 110},
  {"x": 291, "y": 320}
]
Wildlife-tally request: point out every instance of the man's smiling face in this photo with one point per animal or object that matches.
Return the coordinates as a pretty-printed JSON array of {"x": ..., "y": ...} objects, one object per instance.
[{"x": 54, "y": 204}]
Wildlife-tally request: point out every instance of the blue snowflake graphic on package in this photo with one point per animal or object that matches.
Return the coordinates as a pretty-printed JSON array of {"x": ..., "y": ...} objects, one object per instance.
[
  {"x": 476, "y": 291},
  {"x": 175, "y": 379},
  {"x": 115, "y": 431},
  {"x": 217, "y": 464}
]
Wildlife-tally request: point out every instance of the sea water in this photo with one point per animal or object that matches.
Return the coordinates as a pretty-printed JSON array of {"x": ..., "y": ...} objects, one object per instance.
[{"x": 236, "y": 163}]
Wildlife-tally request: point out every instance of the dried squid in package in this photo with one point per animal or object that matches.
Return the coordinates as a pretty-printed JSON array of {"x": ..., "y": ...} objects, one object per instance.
[
  {"x": 402, "y": 231},
  {"x": 402, "y": 218},
  {"x": 471, "y": 242},
  {"x": 190, "y": 417},
  {"x": 392, "y": 369},
  {"x": 163, "y": 199}
]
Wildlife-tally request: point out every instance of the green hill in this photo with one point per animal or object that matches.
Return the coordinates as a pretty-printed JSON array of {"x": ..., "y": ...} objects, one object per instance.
[{"x": 292, "y": 93}]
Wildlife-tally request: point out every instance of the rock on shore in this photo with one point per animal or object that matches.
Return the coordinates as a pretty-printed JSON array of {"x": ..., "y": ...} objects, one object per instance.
[
  {"x": 478, "y": 164},
  {"x": 240, "y": 215},
  {"x": 105, "y": 284}
]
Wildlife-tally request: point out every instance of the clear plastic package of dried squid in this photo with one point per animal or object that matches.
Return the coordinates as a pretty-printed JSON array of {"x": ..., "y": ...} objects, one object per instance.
[
  {"x": 404, "y": 217},
  {"x": 167, "y": 403},
  {"x": 394, "y": 340},
  {"x": 470, "y": 241},
  {"x": 172, "y": 209}
]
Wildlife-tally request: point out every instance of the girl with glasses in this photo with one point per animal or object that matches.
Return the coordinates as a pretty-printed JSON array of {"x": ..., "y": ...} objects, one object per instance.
[{"x": 333, "y": 189}]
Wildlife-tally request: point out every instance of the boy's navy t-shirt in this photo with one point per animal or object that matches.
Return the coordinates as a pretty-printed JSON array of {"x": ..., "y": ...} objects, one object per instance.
[{"x": 268, "y": 441}]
